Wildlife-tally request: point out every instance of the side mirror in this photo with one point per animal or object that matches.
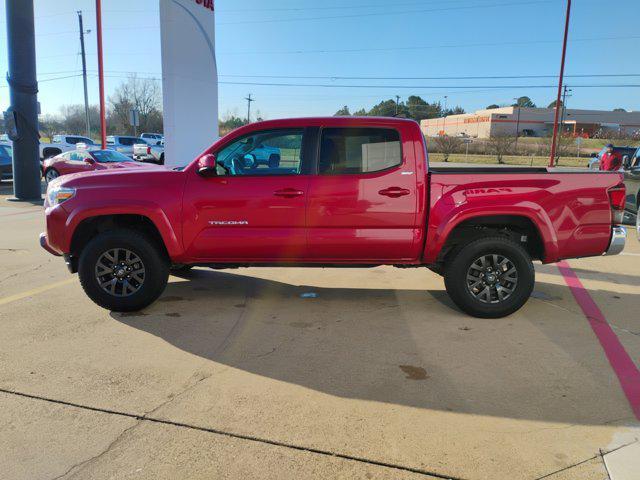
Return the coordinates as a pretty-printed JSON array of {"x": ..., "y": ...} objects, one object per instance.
[
  {"x": 89, "y": 160},
  {"x": 626, "y": 162},
  {"x": 207, "y": 166}
]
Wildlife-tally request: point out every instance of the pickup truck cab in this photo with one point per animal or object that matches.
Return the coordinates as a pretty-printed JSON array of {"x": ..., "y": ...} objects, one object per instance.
[
  {"x": 153, "y": 138},
  {"x": 63, "y": 143},
  {"x": 122, "y": 144},
  {"x": 348, "y": 191}
]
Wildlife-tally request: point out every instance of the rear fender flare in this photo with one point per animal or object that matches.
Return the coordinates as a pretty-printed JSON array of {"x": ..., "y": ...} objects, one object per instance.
[{"x": 531, "y": 211}]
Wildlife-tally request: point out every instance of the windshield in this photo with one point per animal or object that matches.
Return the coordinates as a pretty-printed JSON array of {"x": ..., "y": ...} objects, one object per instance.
[{"x": 109, "y": 156}]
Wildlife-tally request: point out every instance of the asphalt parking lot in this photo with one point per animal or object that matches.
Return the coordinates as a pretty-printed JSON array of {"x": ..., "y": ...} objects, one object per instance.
[{"x": 323, "y": 373}]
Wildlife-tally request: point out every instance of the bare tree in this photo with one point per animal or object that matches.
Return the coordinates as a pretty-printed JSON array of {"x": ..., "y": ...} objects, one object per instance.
[
  {"x": 144, "y": 95},
  {"x": 448, "y": 145},
  {"x": 500, "y": 145}
]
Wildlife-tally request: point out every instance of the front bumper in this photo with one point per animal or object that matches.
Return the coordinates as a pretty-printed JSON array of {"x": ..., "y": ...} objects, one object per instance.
[
  {"x": 618, "y": 240},
  {"x": 44, "y": 243}
]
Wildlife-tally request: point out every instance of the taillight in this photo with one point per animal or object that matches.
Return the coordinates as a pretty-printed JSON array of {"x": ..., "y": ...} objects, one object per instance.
[
  {"x": 617, "y": 197},
  {"x": 148, "y": 150}
]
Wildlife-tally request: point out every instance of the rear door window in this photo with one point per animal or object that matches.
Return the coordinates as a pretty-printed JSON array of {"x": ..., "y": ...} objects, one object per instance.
[{"x": 345, "y": 151}]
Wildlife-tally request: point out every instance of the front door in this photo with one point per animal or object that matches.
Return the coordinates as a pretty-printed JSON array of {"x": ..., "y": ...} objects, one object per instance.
[
  {"x": 363, "y": 202},
  {"x": 254, "y": 210}
]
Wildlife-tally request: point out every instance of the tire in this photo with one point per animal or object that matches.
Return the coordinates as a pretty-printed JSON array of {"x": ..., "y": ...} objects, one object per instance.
[
  {"x": 161, "y": 162},
  {"x": 486, "y": 294},
  {"x": 50, "y": 175},
  {"x": 274, "y": 161},
  {"x": 155, "y": 267}
]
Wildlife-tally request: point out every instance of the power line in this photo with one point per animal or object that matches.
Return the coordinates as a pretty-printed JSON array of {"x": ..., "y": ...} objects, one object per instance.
[
  {"x": 339, "y": 77},
  {"x": 337, "y": 7},
  {"x": 406, "y": 12},
  {"x": 414, "y": 87},
  {"x": 491, "y": 77},
  {"x": 428, "y": 47},
  {"x": 51, "y": 79}
]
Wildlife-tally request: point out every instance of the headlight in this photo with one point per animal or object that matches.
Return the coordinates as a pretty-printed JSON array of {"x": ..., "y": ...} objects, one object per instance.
[{"x": 57, "y": 195}]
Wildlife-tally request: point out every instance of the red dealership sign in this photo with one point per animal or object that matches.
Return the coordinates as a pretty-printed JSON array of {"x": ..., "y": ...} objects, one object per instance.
[{"x": 206, "y": 4}]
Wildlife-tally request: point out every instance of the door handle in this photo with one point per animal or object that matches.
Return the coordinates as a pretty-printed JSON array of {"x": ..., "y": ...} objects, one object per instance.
[
  {"x": 288, "y": 193},
  {"x": 394, "y": 192}
]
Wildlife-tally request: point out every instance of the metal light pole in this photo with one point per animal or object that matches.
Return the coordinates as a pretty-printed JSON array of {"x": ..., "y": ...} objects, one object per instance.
[
  {"x": 84, "y": 74},
  {"x": 23, "y": 93},
  {"x": 554, "y": 140},
  {"x": 103, "y": 114}
]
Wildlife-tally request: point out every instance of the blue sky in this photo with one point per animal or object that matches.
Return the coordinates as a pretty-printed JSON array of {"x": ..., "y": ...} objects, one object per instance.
[{"x": 260, "y": 41}]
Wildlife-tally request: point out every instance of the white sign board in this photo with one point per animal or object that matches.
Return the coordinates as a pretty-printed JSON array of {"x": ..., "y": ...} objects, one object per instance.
[
  {"x": 134, "y": 117},
  {"x": 189, "y": 78}
]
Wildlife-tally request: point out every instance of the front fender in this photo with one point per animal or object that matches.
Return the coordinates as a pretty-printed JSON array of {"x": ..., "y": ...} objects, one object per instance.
[{"x": 152, "y": 211}]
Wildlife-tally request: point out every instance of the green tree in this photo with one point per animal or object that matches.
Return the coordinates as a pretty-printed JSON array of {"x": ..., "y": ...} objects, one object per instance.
[
  {"x": 619, "y": 110},
  {"x": 230, "y": 122},
  {"x": 553, "y": 104},
  {"x": 492, "y": 106},
  {"x": 343, "y": 112},
  {"x": 388, "y": 108},
  {"x": 524, "y": 102}
]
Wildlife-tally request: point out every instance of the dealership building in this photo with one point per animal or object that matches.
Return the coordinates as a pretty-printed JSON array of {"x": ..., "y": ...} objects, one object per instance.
[{"x": 535, "y": 122}]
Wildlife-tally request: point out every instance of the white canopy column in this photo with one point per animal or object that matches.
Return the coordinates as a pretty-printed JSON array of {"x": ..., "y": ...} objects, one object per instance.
[{"x": 189, "y": 78}]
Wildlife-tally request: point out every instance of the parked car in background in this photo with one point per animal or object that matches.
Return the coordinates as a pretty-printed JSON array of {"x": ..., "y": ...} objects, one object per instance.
[
  {"x": 83, "y": 160},
  {"x": 122, "y": 144},
  {"x": 63, "y": 143},
  {"x": 153, "y": 138},
  {"x": 354, "y": 192},
  {"x": 150, "y": 153},
  {"x": 632, "y": 182},
  {"x": 594, "y": 161},
  {"x": 6, "y": 166}
]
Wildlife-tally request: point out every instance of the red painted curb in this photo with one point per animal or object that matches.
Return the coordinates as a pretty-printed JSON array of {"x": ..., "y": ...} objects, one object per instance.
[{"x": 622, "y": 364}]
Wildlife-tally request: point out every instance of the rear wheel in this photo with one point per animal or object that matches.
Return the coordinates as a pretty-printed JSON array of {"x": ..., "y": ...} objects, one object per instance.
[
  {"x": 50, "y": 175},
  {"x": 490, "y": 278},
  {"x": 123, "y": 271}
]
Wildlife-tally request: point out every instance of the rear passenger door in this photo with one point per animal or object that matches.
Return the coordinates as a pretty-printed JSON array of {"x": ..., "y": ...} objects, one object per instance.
[{"x": 363, "y": 201}]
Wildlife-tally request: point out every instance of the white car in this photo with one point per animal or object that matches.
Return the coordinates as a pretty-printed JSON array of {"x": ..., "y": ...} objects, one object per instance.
[{"x": 63, "y": 143}]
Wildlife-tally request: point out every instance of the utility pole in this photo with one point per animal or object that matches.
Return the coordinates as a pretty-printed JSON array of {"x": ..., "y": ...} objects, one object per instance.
[
  {"x": 103, "y": 108},
  {"x": 565, "y": 93},
  {"x": 397, "y": 104},
  {"x": 249, "y": 100},
  {"x": 554, "y": 140},
  {"x": 84, "y": 74},
  {"x": 23, "y": 92},
  {"x": 517, "y": 124}
]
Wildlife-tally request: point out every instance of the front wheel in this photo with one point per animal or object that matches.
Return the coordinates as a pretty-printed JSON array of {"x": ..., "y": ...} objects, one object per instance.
[
  {"x": 123, "y": 271},
  {"x": 50, "y": 175},
  {"x": 490, "y": 278}
]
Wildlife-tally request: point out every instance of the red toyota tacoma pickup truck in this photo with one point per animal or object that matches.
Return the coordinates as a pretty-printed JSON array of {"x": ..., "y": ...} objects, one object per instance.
[{"x": 346, "y": 192}]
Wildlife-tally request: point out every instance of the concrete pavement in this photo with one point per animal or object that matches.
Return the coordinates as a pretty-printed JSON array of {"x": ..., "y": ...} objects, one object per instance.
[{"x": 236, "y": 374}]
